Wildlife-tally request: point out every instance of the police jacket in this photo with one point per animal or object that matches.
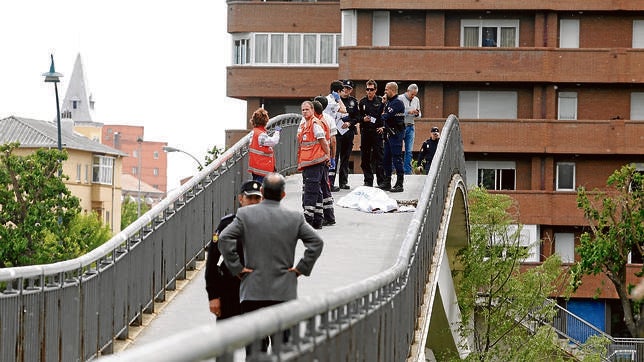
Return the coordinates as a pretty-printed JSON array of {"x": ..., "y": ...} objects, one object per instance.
[
  {"x": 217, "y": 273},
  {"x": 371, "y": 108},
  {"x": 353, "y": 113},
  {"x": 393, "y": 115}
]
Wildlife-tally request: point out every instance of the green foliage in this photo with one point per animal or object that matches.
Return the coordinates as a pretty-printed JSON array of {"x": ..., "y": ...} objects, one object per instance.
[
  {"x": 498, "y": 302},
  {"x": 616, "y": 222},
  {"x": 129, "y": 211},
  {"x": 34, "y": 204},
  {"x": 85, "y": 233},
  {"x": 212, "y": 155}
]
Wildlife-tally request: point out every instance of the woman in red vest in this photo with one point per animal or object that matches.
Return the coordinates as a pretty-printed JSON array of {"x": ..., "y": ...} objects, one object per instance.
[{"x": 261, "y": 160}]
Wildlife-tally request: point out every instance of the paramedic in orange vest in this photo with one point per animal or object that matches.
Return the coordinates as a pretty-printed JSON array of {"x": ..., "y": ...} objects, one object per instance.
[
  {"x": 261, "y": 160},
  {"x": 312, "y": 159},
  {"x": 325, "y": 204}
]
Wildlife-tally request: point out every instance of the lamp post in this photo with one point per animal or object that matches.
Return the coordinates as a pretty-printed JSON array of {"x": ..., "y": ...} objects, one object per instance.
[
  {"x": 139, "y": 140},
  {"x": 53, "y": 77},
  {"x": 173, "y": 149}
]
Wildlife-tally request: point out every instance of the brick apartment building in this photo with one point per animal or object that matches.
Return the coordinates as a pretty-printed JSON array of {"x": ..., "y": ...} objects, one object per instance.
[
  {"x": 554, "y": 101},
  {"x": 153, "y": 163}
]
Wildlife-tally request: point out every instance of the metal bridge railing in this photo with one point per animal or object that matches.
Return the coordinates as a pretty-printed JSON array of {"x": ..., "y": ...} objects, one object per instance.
[
  {"x": 73, "y": 310},
  {"x": 371, "y": 320}
]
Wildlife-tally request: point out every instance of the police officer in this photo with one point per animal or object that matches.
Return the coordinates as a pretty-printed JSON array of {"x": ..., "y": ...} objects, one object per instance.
[
  {"x": 393, "y": 119},
  {"x": 346, "y": 133},
  {"x": 223, "y": 287},
  {"x": 427, "y": 151},
  {"x": 371, "y": 148}
]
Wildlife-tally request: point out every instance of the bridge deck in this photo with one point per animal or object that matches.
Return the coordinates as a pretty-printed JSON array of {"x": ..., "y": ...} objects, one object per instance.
[{"x": 358, "y": 246}]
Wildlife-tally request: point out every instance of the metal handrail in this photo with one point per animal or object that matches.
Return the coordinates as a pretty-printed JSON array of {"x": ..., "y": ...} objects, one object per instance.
[{"x": 319, "y": 326}]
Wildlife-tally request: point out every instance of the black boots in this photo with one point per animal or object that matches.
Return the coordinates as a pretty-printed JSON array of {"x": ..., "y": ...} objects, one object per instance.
[
  {"x": 386, "y": 184},
  {"x": 399, "y": 183}
]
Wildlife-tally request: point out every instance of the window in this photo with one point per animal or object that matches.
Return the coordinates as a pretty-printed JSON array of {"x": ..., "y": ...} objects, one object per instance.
[
  {"x": 86, "y": 174},
  {"x": 493, "y": 175},
  {"x": 565, "y": 176},
  {"x": 637, "y": 106},
  {"x": 74, "y": 104},
  {"x": 489, "y": 33},
  {"x": 135, "y": 153},
  {"x": 155, "y": 171},
  {"x": 567, "y": 106},
  {"x": 155, "y": 155},
  {"x": 638, "y": 34},
  {"x": 103, "y": 170},
  {"x": 78, "y": 172},
  {"x": 241, "y": 50},
  {"x": 487, "y": 104},
  {"x": 565, "y": 246},
  {"x": 526, "y": 239},
  {"x": 569, "y": 33},
  {"x": 380, "y": 33},
  {"x": 349, "y": 28},
  {"x": 294, "y": 49},
  {"x": 135, "y": 170}
]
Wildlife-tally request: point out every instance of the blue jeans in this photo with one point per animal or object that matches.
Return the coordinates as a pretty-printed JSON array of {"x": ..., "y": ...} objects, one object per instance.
[{"x": 409, "y": 145}]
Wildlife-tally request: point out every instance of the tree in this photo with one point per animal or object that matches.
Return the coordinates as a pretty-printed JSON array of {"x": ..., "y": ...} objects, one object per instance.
[
  {"x": 34, "y": 204},
  {"x": 84, "y": 233},
  {"x": 129, "y": 211},
  {"x": 616, "y": 222},
  {"x": 498, "y": 302},
  {"x": 212, "y": 154}
]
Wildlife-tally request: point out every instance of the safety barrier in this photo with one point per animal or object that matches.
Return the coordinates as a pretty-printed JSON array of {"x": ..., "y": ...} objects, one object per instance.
[
  {"x": 73, "y": 310},
  {"x": 371, "y": 320}
]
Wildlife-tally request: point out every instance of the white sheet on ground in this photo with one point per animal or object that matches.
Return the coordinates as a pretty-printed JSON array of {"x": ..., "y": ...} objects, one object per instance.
[{"x": 368, "y": 199}]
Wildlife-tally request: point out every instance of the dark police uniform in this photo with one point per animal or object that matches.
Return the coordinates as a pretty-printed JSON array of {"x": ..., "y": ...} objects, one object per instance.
[
  {"x": 393, "y": 118},
  {"x": 220, "y": 283},
  {"x": 344, "y": 142},
  {"x": 371, "y": 147}
]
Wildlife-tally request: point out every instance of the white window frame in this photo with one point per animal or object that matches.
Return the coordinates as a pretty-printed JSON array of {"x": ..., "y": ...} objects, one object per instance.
[
  {"x": 569, "y": 33},
  {"x": 638, "y": 34},
  {"x": 527, "y": 238},
  {"x": 561, "y": 188},
  {"x": 637, "y": 106},
  {"x": 304, "y": 58},
  {"x": 474, "y": 168},
  {"x": 477, "y": 98},
  {"x": 103, "y": 170},
  {"x": 155, "y": 171},
  {"x": 349, "y": 28},
  {"x": 380, "y": 29},
  {"x": 78, "y": 172},
  {"x": 567, "y": 106},
  {"x": 155, "y": 155},
  {"x": 490, "y": 23},
  {"x": 240, "y": 53},
  {"x": 565, "y": 247}
]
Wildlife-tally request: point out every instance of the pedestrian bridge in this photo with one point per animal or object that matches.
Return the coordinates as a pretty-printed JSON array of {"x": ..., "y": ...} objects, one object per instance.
[{"x": 381, "y": 291}]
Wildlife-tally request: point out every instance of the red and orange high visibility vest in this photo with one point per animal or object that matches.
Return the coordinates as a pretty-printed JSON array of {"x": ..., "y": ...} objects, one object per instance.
[
  {"x": 261, "y": 160},
  {"x": 310, "y": 151}
]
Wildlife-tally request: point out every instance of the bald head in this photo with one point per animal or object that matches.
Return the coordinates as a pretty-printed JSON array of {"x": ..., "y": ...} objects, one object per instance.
[{"x": 274, "y": 186}]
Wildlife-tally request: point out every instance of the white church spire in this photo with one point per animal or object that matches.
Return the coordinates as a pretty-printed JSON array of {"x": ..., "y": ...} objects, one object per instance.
[{"x": 78, "y": 103}]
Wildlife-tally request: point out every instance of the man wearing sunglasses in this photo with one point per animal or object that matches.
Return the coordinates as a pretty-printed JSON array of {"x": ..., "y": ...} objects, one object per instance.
[{"x": 371, "y": 148}]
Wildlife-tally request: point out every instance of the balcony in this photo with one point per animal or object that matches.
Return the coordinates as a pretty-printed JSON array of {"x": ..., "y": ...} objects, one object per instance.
[
  {"x": 488, "y": 5},
  {"x": 278, "y": 82},
  {"x": 455, "y": 64},
  {"x": 539, "y": 136},
  {"x": 285, "y": 16}
]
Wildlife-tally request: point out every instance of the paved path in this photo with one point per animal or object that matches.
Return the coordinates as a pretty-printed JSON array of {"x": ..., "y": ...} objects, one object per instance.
[{"x": 358, "y": 246}]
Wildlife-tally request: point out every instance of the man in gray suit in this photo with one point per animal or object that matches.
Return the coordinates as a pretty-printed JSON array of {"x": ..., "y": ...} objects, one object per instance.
[{"x": 270, "y": 233}]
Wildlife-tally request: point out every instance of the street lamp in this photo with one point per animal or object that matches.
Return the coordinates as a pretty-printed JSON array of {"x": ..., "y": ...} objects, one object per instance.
[
  {"x": 173, "y": 149},
  {"x": 53, "y": 77}
]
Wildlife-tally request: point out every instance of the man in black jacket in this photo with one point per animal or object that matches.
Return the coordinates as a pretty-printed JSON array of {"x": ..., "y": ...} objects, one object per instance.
[
  {"x": 221, "y": 285},
  {"x": 371, "y": 148},
  {"x": 346, "y": 132}
]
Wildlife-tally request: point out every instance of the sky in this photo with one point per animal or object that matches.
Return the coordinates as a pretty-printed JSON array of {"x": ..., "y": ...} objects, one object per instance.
[{"x": 158, "y": 64}]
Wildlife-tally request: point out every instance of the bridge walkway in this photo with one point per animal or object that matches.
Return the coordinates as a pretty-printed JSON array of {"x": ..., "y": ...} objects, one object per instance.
[{"x": 357, "y": 247}]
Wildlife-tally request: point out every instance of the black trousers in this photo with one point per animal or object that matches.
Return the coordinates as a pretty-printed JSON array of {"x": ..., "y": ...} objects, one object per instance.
[
  {"x": 371, "y": 154},
  {"x": 248, "y": 306},
  {"x": 344, "y": 146}
]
